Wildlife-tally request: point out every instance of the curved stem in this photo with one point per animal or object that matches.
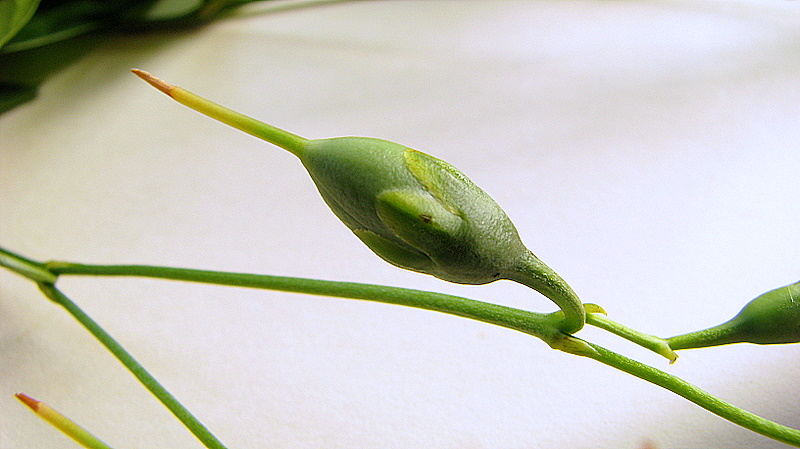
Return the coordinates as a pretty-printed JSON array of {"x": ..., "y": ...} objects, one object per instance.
[{"x": 535, "y": 274}]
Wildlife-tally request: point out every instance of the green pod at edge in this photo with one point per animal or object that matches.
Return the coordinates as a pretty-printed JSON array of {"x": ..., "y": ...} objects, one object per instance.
[{"x": 771, "y": 318}]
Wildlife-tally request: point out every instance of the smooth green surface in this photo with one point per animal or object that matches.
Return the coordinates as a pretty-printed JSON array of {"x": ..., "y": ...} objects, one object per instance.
[
  {"x": 413, "y": 210},
  {"x": 771, "y": 318}
]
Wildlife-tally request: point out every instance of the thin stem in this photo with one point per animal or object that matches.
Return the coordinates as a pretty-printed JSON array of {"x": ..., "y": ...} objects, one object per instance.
[
  {"x": 651, "y": 342},
  {"x": 698, "y": 396},
  {"x": 723, "y": 334},
  {"x": 537, "y": 324},
  {"x": 190, "y": 421},
  {"x": 32, "y": 270},
  {"x": 532, "y": 323},
  {"x": 533, "y": 273},
  {"x": 540, "y": 325},
  {"x": 276, "y": 136}
]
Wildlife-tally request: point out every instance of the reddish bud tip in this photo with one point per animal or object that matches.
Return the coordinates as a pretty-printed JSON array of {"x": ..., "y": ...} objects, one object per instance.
[
  {"x": 158, "y": 83},
  {"x": 29, "y": 401}
]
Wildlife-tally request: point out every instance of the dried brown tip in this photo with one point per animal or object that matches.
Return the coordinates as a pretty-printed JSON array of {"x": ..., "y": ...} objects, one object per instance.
[
  {"x": 29, "y": 401},
  {"x": 158, "y": 83}
]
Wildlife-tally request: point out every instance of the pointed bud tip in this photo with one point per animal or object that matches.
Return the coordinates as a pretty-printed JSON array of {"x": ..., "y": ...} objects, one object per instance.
[
  {"x": 29, "y": 401},
  {"x": 158, "y": 83}
]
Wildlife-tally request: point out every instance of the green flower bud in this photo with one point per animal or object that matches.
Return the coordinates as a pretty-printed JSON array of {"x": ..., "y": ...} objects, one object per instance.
[
  {"x": 420, "y": 213},
  {"x": 772, "y": 318},
  {"x": 413, "y": 210}
]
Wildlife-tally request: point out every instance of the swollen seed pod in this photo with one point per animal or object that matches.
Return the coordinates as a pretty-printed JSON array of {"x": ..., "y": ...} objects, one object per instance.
[
  {"x": 772, "y": 318},
  {"x": 413, "y": 210}
]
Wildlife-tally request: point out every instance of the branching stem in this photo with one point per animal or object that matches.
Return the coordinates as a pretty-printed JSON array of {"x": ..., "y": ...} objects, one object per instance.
[{"x": 543, "y": 326}]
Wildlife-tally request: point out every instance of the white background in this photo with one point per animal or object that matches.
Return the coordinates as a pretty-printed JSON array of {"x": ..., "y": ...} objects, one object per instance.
[{"x": 647, "y": 151}]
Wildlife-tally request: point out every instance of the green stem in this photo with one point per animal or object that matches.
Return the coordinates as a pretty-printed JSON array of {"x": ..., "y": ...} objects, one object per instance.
[
  {"x": 536, "y": 324},
  {"x": 190, "y": 421},
  {"x": 723, "y": 334},
  {"x": 533, "y": 273},
  {"x": 698, "y": 396},
  {"x": 532, "y": 323},
  {"x": 651, "y": 342},
  {"x": 539, "y": 325},
  {"x": 32, "y": 270}
]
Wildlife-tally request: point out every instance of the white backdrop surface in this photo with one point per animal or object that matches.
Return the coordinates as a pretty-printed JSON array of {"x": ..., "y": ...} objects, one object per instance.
[{"x": 647, "y": 151}]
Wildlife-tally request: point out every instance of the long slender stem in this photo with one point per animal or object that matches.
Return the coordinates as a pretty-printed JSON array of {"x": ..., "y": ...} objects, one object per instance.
[
  {"x": 190, "y": 421},
  {"x": 537, "y": 324},
  {"x": 698, "y": 396},
  {"x": 540, "y": 325},
  {"x": 499, "y": 315}
]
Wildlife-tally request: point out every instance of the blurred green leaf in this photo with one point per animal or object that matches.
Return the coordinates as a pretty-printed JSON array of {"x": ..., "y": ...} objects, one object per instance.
[
  {"x": 33, "y": 46},
  {"x": 171, "y": 9},
  {"x": 58, "y": 21},
  {"x": 22, "y": 72},
  {"x": 14, "y": 14}
]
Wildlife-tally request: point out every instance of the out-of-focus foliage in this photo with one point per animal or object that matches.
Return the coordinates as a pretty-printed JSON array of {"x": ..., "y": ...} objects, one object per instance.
[
  {"x": 14, "y": 14},
  {"x": 39, "y": 37}
]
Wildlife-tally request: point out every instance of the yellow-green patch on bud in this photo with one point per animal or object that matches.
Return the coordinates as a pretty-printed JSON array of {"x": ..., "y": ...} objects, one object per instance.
[{"x": 413, "y": 210}]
